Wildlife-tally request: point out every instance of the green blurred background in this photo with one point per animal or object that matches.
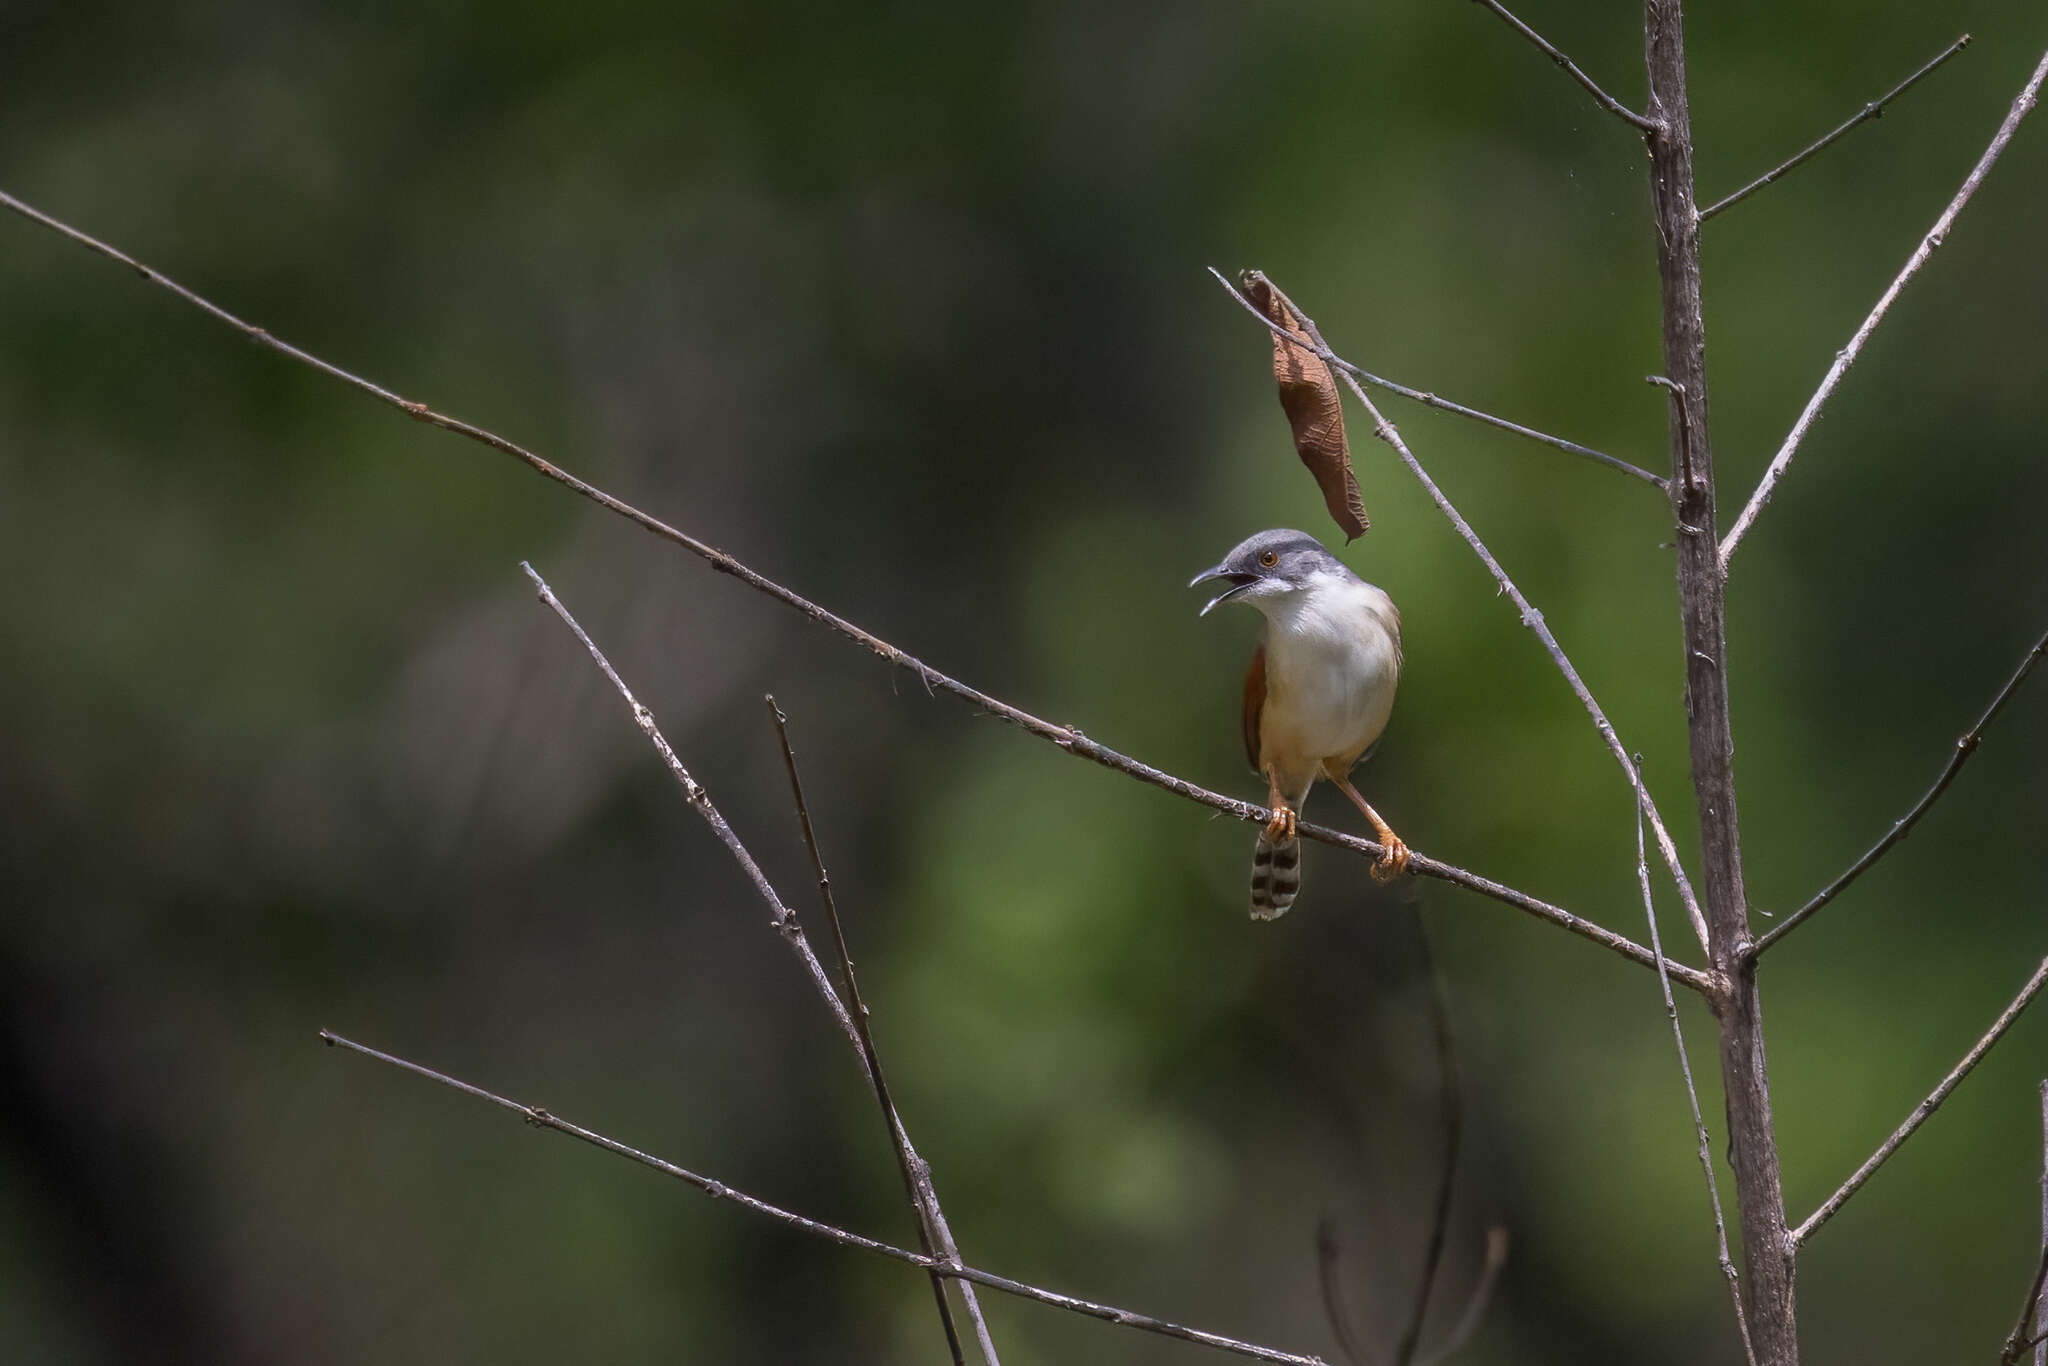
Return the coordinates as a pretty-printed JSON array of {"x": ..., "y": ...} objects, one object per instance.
[{"x": 905, "y": 305}]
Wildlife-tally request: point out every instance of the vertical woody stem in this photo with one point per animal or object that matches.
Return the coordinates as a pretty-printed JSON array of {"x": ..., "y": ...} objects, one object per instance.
[
  {"x": 2040, "y": 1316},
  {"x": 1767, "y": 1252}
]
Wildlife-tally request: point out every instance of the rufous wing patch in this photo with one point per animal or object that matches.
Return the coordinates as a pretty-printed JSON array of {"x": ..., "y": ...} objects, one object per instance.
[{"x": 1254, "y": 704}]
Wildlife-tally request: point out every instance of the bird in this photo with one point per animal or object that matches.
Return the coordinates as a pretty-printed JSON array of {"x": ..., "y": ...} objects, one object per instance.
[{"x": 1317, "y": 695}]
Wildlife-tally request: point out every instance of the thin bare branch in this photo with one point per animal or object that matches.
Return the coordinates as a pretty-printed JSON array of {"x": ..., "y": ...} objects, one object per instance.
[
  {"x": 2039, "y": 1342},
  {"x": 1872, "y": 110},
  {"x": 1066, "y": 737},
  {"x": 718, "y": 1190},
  {"x": 1692, "y": 1094},
  {"x": 1430, "y": 400},
  {"x": 917, "y": 1181},
  {"x": 2032, "y": 1311},
  {"x": 1768, "y": 1268},
  {"x": 780, "y": 916},
  {"x": 1846, "y": 357},
  {"x": 1966, "y": 745},
  {"x": 1925, "y": 1107},
  {"x": 1605, "y": 100},
  {"x": 1531, "y": 618}
]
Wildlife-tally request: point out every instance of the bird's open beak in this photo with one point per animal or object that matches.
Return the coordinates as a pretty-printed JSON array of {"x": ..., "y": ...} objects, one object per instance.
[{"x": 1238, "y": 583}]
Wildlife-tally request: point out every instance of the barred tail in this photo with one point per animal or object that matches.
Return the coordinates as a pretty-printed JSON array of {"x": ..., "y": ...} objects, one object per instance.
[{"x": 1276, "y": 877}]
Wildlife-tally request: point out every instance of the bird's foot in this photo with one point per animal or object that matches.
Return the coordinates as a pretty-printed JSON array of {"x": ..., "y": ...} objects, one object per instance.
[
  {"x": 1280, "y": 826},
  {"x": 1393, "y": 859}
]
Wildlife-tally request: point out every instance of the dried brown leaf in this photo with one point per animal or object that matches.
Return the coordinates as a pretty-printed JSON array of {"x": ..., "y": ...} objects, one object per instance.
[{"x": 1315, "y": 409}]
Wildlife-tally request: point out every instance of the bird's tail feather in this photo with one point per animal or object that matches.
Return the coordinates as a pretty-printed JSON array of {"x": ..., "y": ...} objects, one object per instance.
[{"x": 1276, "y": 877}]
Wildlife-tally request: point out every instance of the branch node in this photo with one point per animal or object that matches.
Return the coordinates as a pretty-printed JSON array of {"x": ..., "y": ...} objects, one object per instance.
[{"x": 1647, "y": 126}]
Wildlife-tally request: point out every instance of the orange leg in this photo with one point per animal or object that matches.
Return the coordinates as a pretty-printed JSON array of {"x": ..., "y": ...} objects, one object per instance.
[
  {"x": 1394, "y": 860},
  {"x": 1281, "y": 824}
]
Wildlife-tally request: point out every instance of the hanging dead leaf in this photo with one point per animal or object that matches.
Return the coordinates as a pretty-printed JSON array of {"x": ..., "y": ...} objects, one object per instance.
[{"x": 1314, "y": 407}]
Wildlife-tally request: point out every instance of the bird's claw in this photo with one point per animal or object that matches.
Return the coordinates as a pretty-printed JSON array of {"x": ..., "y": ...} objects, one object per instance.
[
  {"x": 1280, "y": 825},
  {"x": 1393, "y": 859}
]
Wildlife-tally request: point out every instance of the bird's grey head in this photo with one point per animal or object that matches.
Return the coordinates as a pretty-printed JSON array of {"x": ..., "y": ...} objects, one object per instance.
[{"x": 1270, "y": 566}]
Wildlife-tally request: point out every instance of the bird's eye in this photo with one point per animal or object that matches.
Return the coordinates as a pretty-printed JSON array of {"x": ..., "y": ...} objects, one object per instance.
[{"x": 1269, "y": 559}]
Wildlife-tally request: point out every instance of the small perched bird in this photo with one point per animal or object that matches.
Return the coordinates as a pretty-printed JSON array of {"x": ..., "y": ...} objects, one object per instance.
[{"x": 1317, "y": 695}]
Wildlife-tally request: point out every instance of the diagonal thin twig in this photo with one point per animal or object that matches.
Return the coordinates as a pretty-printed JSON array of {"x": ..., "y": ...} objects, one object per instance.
[
  {"x": 1430, "y": 400},
  {"x": 1872, "y": 110},
  {"x": 718, "y": 1190},
  {"x": 1066, "y": 737},
  {"x": 1846, "y": 357},
  {"x": 1692, "y": 1094},
  {"x": 917, "y": 1180},
  {"x": 1531, "y": 618},
  {"x": 780, "y": 915},
  {"x": 1966, "y": 745},
  {"x": 1925, "y": 1107},
  {"x": 1605, "y": 100}
]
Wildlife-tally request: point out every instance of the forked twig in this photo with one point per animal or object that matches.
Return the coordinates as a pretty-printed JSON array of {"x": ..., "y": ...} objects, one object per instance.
[
  {"x": 1605, "y": 100},
  {"x": 780, "y": 915},
  {"x": 917, "y": 1180},
  {"x": 899, "y": 1139},
  {"x": 718, "y": 1190},
  {"x": 1966, "y": 745},
  {"x": 1846, "y": 357},
  {"x": 1066, "y": 737},
  {"x": 1531, "y": 618},
  {"x": 1926, "y": 1107},
  {"x": 1692, "y": 1094},
  {"x": 1872, "y": 110}
]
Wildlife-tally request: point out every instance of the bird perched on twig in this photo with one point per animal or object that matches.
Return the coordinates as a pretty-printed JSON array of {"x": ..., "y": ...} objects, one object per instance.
[{"x": 1317, "y": 695}]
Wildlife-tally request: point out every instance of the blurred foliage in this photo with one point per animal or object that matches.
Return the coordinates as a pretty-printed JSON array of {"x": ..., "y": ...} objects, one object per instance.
[{"x": 905, "y": 305}]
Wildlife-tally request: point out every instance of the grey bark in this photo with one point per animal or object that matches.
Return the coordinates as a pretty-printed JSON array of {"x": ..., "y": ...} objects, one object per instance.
[{"x": 1760, "y": 1199}]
